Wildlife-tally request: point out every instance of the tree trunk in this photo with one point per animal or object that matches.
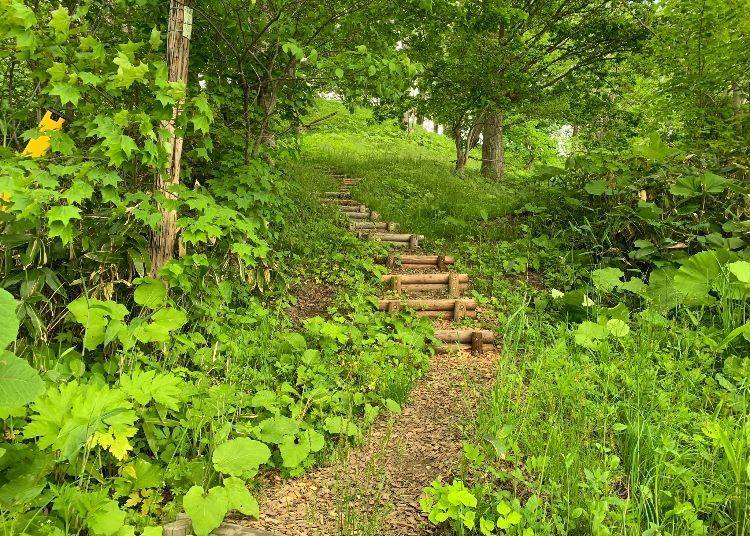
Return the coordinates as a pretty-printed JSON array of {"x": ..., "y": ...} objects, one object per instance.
[
  {"x": 178, "y": 52},
  {"x": 461, "y": 154},
  {"x": 493, "y": 146}
]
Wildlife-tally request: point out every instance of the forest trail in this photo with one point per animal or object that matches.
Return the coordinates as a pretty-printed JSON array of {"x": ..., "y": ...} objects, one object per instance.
[{"x": 375, "y": 488}]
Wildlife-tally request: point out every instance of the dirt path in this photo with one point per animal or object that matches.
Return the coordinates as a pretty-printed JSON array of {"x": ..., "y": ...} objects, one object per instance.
[{"x": 375, "y": 488}]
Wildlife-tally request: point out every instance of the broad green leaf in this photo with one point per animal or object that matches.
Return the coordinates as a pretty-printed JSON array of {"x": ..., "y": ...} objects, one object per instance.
[
  {"x": 60, "y": 21},
  {"x": 150, "y": 292},
  {"x": 240, "y": 498},
  {"x": 617, "y": 328},
  {"x": 635, "y": 285},
  {"x": 106, "y": 518},
  {"x": 154, "y": 40},
  {"x": 206, "y": 510},
  {"x": 661, "y": 290},
  {"x": 607, "y": 279},
  {"x": 712, "y": 183},
  {"x": 8, "y": 319},
  {"x": 276, "y": 429},
  {"x": 392, "y": 406},
  {"x": 19, "y": 382},
  {"x": 694, "y": 279},
  {"x": 741, "y": 270},
  {"x": 597, "y": 187},
  {"x": 240, "y": 456},
  {"x": 589, "y": 334},
  {"x": 341, "y": 425},
  {"x": 68, "y": 93},
  {"x": 63, "y": 214},
  {"x": 294, "y": 450}
]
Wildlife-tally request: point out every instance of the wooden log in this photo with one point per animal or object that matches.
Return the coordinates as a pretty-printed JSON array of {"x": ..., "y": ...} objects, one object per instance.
[
  {"x": 477, "y": 342},
  {"x": 426, "y": 259},
  {"x": 413, "y": 242},
  {"x": 431, "y": 304},
  {"x": 434, "y": 287},
  {"x": 446, "y": 315},
  {"x": 413, "y": 279},
  {"x": 337, "y": 195},
  {"x": 395, "y": 237},
  {"x": 396, "y": 284},
  {"x": 414, "y": 260},
  {"x": 341, "y": 202},
  {"x": 369, "y": 215},
  {"x": 454, "y": 284},
  {"x": 376, "y": 225},
  {"x": 464, "y": 336},
  {"x": 459, "y": 310},
  {"x": 354, "y": 208}
]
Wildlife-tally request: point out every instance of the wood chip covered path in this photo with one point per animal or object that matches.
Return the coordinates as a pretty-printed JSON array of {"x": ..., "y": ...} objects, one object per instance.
[{"x": 375, "y": 488}]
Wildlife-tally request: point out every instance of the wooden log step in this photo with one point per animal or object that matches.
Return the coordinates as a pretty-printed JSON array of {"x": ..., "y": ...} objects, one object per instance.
[
  {"x": 374, "y": 225},
  {"x": 464, "y": 336},
  {"x": 446, "y": 315},
  {"x": 411, "y": 261},
  {"x": 349, "y": 209},
  {"x": 341, "y": 202},
  {"x": 427, "y": 305},
  {"x": 433, "y": 287},
  {"x": 393, "y": 237},
  {"x": 369, "y": 215},
  {"x": 413, "y": 279},
  {"x": 337, "y": 195},
  {"x": 410, "y": 241},
  {"x": 455, "y": 284}
]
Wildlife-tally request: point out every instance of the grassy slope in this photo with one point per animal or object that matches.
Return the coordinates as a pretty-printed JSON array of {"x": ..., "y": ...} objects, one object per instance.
[{"x": 612, "y": 439}]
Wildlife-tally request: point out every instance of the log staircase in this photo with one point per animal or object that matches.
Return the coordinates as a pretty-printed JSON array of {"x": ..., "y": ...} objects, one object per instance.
[{"x": 425, "y": 284}]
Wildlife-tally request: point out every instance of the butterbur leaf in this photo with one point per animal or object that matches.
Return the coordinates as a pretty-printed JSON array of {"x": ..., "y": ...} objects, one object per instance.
[
  {"x": 589, "y": 334},
  {"x": 277, "y": 429},
  {"x": 661, "y": 290},
  {"x": 741, "y": 270},
  {"x": 597, "y": 187},
  {"x": 618, "y": 328},
  {"x": 694, "y": 279},
  {"x": 19, "y": 382},
  {"x": 150, "y": 292},
  {"x": 712, "y": 183},
  {"x": 240, "y": 498},
  {"x": 206, "y": 510},
  {"x": 8, "y": 319},
  {"x": 392, "y": 405},
  {"x": 241, "y": 456},
  {"x": 295, "y": 450},
  {"x": 607, "y": 279},
  {"x": 341, "y": 425}
]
